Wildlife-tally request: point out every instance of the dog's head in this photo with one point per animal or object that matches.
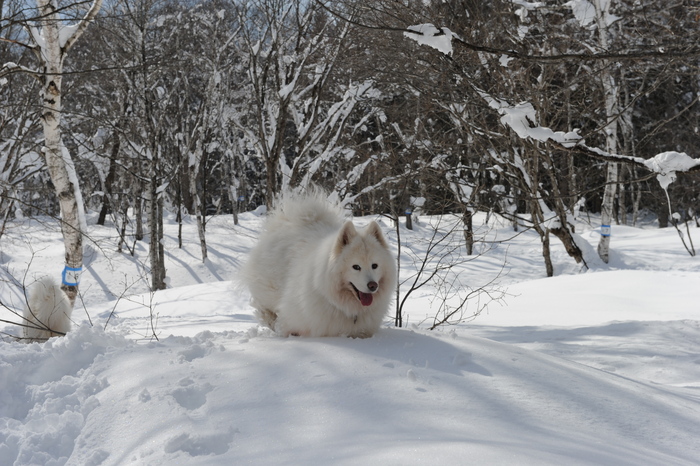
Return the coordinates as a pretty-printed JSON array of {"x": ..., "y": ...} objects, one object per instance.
[{"x": 365, "y": 265}]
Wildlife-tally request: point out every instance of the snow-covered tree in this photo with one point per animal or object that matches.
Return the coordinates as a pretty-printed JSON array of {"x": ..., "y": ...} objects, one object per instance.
[
  {"x": 291, "y": 52},
  {"x": 51, "y": 34}
]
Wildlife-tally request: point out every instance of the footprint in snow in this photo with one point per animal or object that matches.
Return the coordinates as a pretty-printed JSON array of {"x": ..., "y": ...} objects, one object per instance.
[
  {"x": 190, "y": 395},
  {"x": 192, "y": 353},
  {"x": 144, "y": 396},
  {"x": 200, "y": 445}
]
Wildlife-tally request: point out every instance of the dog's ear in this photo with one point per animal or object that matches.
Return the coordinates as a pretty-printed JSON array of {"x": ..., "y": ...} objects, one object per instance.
[
  {"x": 373, "y": 229},
  {"x": 346, "y": 235}
]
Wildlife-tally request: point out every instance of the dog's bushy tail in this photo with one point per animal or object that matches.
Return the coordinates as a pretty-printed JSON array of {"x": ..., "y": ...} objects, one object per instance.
[
  {"x": 309, "y": 207},
  {"x": 48, "y": 311}
]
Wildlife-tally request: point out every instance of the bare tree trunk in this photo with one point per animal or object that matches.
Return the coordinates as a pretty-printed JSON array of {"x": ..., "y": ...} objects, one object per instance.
[
  {"x": 611, "y": 115},
  {"x": 546, "y": 253},
  {"x": 564, "y": 230},
  {"x": 160, "y": 279},
  {"x": 138, "y": 212},
  {"x": 538, "y": 219},
  {"x": 155, "y": 226},
  {"x": 234, "y": 203},
  {"x": 194, "y": 176},
  {"x": 178, "y": 217},
  {"x": 537, "y": 224},
  {"x": 621, "y": 217},
  {"x": 607, "y": 211},
  {"x": 52, "y": 45},
  {"x": 201, "y": 228},
  {"x": 107, "y": 202},
  {"x": 468, "y": 231},
  {"x": 636, "y": 198},
  {"x": 398, "y": 316}
]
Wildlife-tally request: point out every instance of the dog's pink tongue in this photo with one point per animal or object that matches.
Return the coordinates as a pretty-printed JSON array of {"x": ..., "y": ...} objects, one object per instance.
[{"x": 365, "y": 298}]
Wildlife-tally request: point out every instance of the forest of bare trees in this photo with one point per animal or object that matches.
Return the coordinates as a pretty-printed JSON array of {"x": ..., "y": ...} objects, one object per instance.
[{"x": 215, "y": 106}]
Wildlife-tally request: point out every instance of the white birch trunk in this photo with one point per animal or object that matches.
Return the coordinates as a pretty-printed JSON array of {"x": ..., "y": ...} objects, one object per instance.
[
  {"x": 611, "y": 141},
  {"x": 52, "y": 43},
  {"x": 195, "y": 165}
]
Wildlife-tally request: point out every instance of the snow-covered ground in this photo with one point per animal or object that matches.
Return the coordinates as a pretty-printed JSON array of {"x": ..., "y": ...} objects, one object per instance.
[{"x": 596, "y": 367}]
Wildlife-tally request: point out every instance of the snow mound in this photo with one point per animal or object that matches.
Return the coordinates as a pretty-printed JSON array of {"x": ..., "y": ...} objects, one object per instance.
[{"x": 401, "y": 397}]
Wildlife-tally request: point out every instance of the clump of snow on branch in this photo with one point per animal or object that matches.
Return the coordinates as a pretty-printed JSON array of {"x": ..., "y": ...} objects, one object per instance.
[
  {"x": 427, "y": 34},
  {"x": 528, "y": 5},
  {"x": 585, "y": 12},
  {"x": 504, "y": 60},
  {"x": 666, "y": 164},
  {"x": 522, "y": 118},
  {"x": 66, "y": 32}
]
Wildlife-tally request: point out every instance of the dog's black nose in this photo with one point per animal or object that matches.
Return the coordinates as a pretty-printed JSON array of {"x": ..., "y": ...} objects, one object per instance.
[{"x": 372, "y": 286}]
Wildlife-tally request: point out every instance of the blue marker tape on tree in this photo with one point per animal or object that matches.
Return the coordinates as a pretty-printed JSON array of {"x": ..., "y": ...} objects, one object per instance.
[
  {"x": 605, "y": 230},
  {"x": 71, "y": 276}
]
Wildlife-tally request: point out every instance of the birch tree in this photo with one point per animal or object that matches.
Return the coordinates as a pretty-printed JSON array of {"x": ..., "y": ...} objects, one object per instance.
[
  {"x": 603, "y": 19},
  {"x": 51, "y": 35}
]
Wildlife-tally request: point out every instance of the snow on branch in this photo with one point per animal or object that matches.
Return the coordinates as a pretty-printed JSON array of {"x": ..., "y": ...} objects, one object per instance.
[
  {"x": 68, "y": 34},
  {"x": 11, "y": 67},
  {"x": 522, "y": 118},
  {"x": 427, "y": 34},
  {"x": 441, "y": 40},
  {"x": 666, "y": 164},
  {"x": 585, "y": 12}
]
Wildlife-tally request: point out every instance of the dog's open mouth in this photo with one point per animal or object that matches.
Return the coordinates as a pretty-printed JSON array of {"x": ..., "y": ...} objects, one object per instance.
[{"x": 365, "y": 298}]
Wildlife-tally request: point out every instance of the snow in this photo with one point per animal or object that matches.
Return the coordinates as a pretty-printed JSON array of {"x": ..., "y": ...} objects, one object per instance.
[
  {"x": 522, "y": 118},
  {"x": 38, "y": 37},
  {"x": 528, "y": 5},
  {"x": 504, "y": 60},
  {"x": 666, "y": 164},
  {"x": 427, "y": 34},
  {"x": 66, "y": 32},
  {"x": 583, "y": 10},
  {"x": 597, "y": 367}
]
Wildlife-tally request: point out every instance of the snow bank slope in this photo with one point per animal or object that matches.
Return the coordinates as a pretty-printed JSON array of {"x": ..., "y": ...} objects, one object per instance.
[{"x": 402, "y": 397}]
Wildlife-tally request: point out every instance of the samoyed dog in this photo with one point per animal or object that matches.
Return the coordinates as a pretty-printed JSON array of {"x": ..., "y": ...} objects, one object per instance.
[
  {"x": 312, "y": 274},
  {"x": 48, "y": 311}
]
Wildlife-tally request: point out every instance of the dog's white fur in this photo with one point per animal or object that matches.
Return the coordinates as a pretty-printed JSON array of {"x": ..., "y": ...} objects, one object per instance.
[
  {"x": 48, "y": 311},
  {"x": 311, "y": 274}
]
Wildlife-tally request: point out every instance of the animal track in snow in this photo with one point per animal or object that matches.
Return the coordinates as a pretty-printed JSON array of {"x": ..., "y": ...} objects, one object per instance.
[
  {"x": 200, "y": 346},
  {"x": 199, "y": 445},
  {"x": 191, "y": 395},
  {"x": 144, "y": 396},
  {"x": 192, "y": 353}
]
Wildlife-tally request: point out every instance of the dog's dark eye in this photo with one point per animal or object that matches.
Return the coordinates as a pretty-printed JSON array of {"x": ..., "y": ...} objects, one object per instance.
[
  {"x": 374, "y": 266},
  {"x": 356, "y": 267}
]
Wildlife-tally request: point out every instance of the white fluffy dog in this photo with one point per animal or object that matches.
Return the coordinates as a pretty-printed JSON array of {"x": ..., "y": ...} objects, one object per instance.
[
  {"x": 48, "y": 311},
  {"x": 311, "y": 274}
]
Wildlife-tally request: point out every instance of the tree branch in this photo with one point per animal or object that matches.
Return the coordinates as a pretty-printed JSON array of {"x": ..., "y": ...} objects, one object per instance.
[{"x": 82, "y": 25}]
